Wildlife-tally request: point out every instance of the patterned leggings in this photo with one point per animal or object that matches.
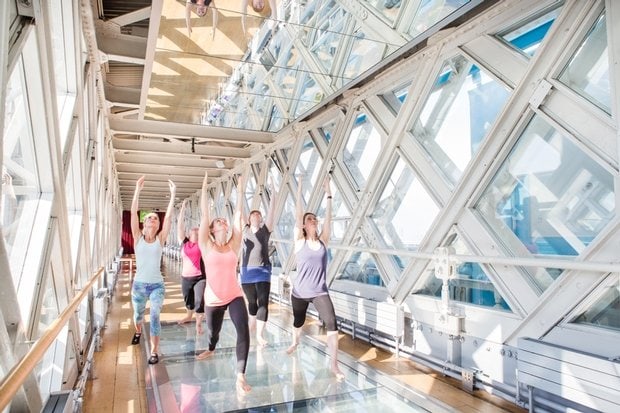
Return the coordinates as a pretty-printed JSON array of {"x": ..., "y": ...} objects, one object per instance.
[{"x": 140, "y": 294}]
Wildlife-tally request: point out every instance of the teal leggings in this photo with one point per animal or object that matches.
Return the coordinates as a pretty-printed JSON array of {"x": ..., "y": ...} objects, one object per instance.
[{"x": 140, "y": 294}]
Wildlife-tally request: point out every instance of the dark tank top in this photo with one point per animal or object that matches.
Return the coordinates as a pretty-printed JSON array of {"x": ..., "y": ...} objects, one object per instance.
[{"x": 311, "y": 272}]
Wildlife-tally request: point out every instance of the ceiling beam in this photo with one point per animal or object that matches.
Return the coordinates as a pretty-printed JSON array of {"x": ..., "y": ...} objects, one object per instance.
[
  {"x": 179, "y": 147},
  {"x": 185, "y": 130}
]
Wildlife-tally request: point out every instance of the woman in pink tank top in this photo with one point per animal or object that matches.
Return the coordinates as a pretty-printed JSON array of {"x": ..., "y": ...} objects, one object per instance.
[
  {"x": 223, "y": 291},
  {"x": 193, "y": 272}
]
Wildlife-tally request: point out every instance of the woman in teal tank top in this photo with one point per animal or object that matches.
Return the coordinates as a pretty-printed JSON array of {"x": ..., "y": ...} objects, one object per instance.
[{"x": 148, "y": 284}]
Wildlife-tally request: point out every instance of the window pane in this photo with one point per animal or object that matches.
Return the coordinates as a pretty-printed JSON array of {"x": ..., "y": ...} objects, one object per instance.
[
  {"x": 549, "y": 195},
  {"x": 471, "y": 285},
  {"x": 457, "y": 115},
  {"x": 285, "y": 226},
  {"x": 528, "y": 36},
  {"x": 327, "y": 131},
  {"x": 361, "y": 267},
  {"x": 386, "y": 8},
  {"x": 605, "y": 312},
  {"x": 395, "y": 98},
  {"x": 404, "y": 212},
  {"x": 20, "y": 180},
  {"x": 308, "y": 166},
  {"x": 588, "y": 71},
  {"x": 365, "y": 53},
  {"x": 430, "y": 12},
  {"x": 363, "y": 147}
]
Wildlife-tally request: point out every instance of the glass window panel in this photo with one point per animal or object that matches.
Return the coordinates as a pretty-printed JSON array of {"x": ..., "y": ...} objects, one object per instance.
[
  {"x": 387, "y": 8},
  {"x": 277, "y": 121},
  {"x": 275, "y": 174},
  {"x": 340, "y": 216},
  {"x": 327, "y": 131},
  {"x": 528, "y": 36},
  {"x": 432, "y": 11},
  {"x": 288, "y": 73},
  {"x": 587, "y": 73},
  {"x": 457, "y": 115},
  {"x": 360, "y": 266},
  {"x": 605, "y": 312},
  {"x": 471, "y": 285},
  {"x": 395, "y": 98},
  {"x": 404, "y": 212},
  {"x": 60, "y": 15},
  {"x": 285, "y": 225},
  {"x": 308, "y": 166},
  {"x": 362, "y": 149},
  {"x": 549, "y": 195},
  {"x": 328, "y": 39},
  {"x": 365, "y": 53},
  {"x": 20, "y": 177},
  {"x": 311, "y": 95}
]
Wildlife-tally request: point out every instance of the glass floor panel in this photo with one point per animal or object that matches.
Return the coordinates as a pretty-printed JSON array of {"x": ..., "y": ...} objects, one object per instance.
[{"x": 301, "y": 382}]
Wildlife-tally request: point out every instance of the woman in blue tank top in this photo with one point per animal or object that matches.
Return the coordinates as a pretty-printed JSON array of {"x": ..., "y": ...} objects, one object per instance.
[
  {"x": 256, "y": 267},
  {"x": 148, "y": 285},
  {"x": 310, "y": 285}
]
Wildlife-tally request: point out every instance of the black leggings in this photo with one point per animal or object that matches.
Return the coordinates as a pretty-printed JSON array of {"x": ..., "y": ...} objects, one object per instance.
[
  {"x": 323, "y": 305},
  {"x": 258, "y": 299},
  {"x": 193, "y": 292},
  {"x": 239, "y": 316}
]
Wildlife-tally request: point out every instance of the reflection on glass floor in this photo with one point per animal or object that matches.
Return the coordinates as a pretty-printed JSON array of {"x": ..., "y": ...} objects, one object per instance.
[{"x": 280, "y": 382}]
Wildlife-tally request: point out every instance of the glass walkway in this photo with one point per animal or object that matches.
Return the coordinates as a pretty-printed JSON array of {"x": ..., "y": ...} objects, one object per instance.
[{"x": 300, "y": 382}]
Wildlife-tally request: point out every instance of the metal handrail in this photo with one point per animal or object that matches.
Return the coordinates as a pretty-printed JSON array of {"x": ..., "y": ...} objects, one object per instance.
[{"x": 19, "y": 373}]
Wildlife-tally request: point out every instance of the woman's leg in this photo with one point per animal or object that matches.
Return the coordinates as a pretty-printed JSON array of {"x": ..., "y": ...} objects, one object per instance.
[
  {"x": 156, "y": 297},
  {"x": 250, "y": 294},
  {"x": 262, "y": 298},
  {"x": 239, "y": 316},
  {"x": 199, "y": 307},
  {"x": 138, "y": 301},
  {"x": 186, "y": 287},
  {"x": 325, "y": 308},
  {"x": 299, "y": 318},
  {"x": 215, "y": 319}
]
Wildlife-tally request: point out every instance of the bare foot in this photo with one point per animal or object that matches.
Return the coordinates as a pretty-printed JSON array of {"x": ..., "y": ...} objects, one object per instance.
[
  {"x": 205, "y": 354},
  {"x": 243, "y": 385},
  {"x": 291, "y": 349},
  {"x": 185, "y": 319},
  {"x": 261, "y": 341},
  {"x": 339, "y": 375}
]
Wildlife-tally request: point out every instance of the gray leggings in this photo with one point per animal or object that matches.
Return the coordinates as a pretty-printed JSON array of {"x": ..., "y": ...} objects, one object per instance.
[{"x": 324, "y": 306}]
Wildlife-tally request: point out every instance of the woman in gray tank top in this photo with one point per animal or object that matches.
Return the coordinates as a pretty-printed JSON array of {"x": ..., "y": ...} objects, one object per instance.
[{"x": 310, "y": 285}]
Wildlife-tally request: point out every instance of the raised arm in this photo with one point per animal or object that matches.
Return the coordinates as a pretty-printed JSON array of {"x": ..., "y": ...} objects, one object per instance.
[
  {"x": 244, "y": 11},
  {"x": 272, "y": 201},
  {"x": 181, "y": 224},
  {"x": 214, "y": 16},
  {"x": 299, "y": 212},
  {"x": 188, "y": 18},
  {"x": 204, "y": 235},
  {"x": 235, "y": 240},
  {"x": 135, "y": 225},
  {"x": 327, "y": 221},
  {"x": 165, "y": 228},
  {"x": 273, "y": 5}
]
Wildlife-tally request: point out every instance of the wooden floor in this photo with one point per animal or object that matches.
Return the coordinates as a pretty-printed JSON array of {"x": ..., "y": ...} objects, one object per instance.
[{"x": 118, "y": 376}]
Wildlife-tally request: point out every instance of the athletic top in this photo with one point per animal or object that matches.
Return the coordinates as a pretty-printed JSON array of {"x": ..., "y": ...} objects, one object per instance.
[
  {"x": 255, "y": 264},
  {"x": 148, "y": 261},
  {"x": 192, "y": 259},
  {"x": 311, "y": 278},
  {"x": 222, "y": 284}
]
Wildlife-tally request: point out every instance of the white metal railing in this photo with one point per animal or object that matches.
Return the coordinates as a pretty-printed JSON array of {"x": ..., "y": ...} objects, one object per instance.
[{"x": 19, "y": 373}]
